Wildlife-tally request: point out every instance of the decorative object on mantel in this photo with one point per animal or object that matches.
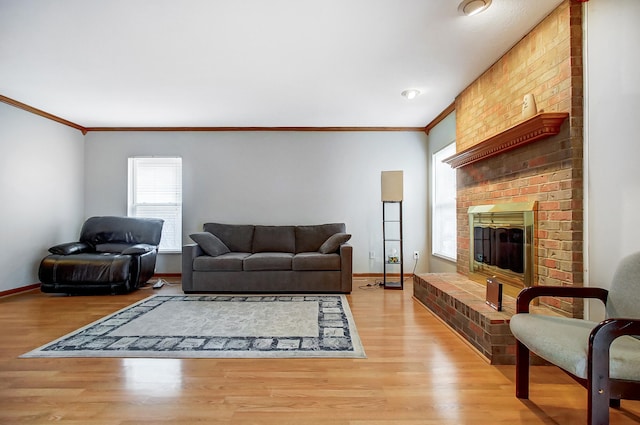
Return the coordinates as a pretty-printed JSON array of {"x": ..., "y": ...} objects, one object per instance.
[
  {"x": 540, "y": 126},
  {"x": 494, "y": 294},
  {"x": 529, "y": 108}
]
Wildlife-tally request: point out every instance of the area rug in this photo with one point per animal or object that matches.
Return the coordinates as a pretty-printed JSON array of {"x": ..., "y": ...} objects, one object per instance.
[{"x": 197, "y": 326}]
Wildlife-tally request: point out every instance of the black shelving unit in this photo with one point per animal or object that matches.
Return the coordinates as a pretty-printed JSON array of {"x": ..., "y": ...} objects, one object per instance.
[{"x": 392, "y": 245}]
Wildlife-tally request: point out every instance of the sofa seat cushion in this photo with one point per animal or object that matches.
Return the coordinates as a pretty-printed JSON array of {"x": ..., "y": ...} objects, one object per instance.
[
  {"x": 316, "y": 261},
  {"x": 274, "y": 239},
  {"x": 231, "y": 261},
  {"x": 268, "y": 261}
]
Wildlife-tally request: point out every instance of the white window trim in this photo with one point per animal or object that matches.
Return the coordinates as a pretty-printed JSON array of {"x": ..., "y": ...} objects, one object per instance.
[
  {"x": 172, "y": 225},
  {"x": 437, "y": 225}
]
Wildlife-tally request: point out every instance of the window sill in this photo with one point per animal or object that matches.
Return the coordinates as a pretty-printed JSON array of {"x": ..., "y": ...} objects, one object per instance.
[{"x": 444, "y": 257}]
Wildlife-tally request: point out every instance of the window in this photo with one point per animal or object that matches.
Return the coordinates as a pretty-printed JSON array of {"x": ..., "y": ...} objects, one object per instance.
[
  {"x": 444, "y": 228},
  {"x": 155, "y": 190}
]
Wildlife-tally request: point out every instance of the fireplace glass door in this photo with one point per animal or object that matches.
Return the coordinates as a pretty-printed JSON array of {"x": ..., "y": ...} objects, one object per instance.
[{"x": 502, "y": 244}]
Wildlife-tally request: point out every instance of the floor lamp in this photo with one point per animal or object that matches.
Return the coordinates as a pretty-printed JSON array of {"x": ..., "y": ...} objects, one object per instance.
[{"x": 392, "y": 255}]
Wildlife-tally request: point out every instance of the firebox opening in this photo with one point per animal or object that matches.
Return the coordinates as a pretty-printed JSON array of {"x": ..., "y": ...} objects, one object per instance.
[
  {"x": 502, "y": 244},
  {"x": 501, "y": 247}
]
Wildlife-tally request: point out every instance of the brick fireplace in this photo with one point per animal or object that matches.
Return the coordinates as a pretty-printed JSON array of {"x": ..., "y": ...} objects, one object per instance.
[
  {"x": 501, "y": 160},
  {"x": 548, "y": 172}
]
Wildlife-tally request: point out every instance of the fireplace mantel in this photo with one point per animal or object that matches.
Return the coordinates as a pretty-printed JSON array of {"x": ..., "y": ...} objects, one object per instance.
[{"x": 538, "y": 127}]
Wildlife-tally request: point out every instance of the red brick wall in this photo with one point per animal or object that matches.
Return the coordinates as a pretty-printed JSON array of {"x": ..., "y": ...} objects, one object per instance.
[{"x": 548, "y": 63}]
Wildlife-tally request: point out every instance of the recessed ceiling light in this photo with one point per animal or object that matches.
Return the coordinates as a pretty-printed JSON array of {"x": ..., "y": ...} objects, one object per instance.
[
  {"x": 473, "y": 7},
  {"x": 410, "y": 93}
]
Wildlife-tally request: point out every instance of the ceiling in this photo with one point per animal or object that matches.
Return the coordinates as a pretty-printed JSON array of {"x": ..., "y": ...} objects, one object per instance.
[{"x": 244, "y": 63}]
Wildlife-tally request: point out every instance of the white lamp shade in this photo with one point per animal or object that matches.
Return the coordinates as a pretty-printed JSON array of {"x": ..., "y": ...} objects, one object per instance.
[{"x": 392, "y": 186}]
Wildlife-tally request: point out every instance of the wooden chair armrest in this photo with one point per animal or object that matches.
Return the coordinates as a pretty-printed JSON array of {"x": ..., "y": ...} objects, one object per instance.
[
  {"x": 528, "y": 294},
  {"x": 600, "y": 340},
  {"x": 608, "y": 330}
]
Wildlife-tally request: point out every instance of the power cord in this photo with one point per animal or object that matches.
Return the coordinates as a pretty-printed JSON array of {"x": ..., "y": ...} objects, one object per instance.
[
  {"x": 380, "y": 284},
  {"x": 377, "y": 284}
]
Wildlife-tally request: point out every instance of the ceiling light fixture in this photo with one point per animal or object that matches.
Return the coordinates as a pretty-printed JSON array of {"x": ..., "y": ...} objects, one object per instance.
[
  {"x": 473, "y": 7},
  {"x": 410, "y": 93}
]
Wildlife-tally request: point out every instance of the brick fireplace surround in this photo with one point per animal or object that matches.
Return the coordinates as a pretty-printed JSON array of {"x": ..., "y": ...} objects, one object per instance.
[{"x": 547, "y": 63}]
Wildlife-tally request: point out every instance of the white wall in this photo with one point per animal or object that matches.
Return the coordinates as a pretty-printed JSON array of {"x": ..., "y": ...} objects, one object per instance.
[
  {"x": 612, "y": 126},
  {"x": 273, "y": 178},
  {"x": 440, "y": 136},
  {"x": 41, "y": 181}
]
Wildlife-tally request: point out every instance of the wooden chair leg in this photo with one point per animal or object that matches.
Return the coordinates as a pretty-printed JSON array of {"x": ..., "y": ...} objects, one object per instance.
[
  {"x": 598, "y": 408},
  {"x": 522, "y": 370},
  {"x": 598, "y": 390}
]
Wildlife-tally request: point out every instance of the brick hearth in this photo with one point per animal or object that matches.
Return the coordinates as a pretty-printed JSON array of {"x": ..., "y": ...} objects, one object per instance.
[{"x": 460, "y": 303}]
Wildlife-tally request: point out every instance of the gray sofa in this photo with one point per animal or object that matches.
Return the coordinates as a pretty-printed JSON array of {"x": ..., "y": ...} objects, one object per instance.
[{"x": 268, "y": 259}]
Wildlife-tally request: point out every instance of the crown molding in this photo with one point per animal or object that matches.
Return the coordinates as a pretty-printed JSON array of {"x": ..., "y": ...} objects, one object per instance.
[
  {"x": 41, "y": 113},
  {"x": 449, "y": 109},
  {"x": 316, "y": 129},
  {"x": 85, "y": 130}
]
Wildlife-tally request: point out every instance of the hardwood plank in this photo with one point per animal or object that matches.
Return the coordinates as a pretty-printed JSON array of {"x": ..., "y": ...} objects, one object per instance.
[{"x": 416, "y": 372}]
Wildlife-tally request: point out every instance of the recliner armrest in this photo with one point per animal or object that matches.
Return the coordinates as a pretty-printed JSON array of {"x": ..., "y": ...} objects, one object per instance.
[
  {"x": 71, "y": 248},
  {"x": 137, "y": 249},
  {"x": 528, "y": 294}
]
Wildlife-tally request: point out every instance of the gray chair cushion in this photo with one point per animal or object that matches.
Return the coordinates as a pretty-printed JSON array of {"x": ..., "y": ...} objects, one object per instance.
[
  {"x": 268, "y": 261},
  {"x": 210, "y": 243},
  {"x": 309, "y": 238},
  {"x": 274, "y": 239},
  {"x": 565, "y": 341},
  {"x": 237, "y": 237},
  {"x": 316, "y": 261},
  {"x": 231, "y": 261},
  {"x": 333, "y": 243}
]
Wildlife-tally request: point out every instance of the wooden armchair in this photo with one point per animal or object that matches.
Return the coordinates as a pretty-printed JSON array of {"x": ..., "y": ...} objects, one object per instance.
[{"x": 604, "y": 357}]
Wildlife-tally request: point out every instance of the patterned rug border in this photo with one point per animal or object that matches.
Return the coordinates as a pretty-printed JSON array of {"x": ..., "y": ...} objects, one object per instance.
[{"x": 340, "y": 340}]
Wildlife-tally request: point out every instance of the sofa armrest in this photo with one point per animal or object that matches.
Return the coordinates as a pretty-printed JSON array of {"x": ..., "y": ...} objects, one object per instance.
[
  {"x": 189, "y": 253},
  {"x": 70, "y": 248},
  {"x": 346, "y": 267},
  {"x": 528, "y": 294}
]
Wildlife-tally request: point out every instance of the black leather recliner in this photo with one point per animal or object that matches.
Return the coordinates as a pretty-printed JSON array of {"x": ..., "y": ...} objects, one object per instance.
[{"x": 114, "y": 255}]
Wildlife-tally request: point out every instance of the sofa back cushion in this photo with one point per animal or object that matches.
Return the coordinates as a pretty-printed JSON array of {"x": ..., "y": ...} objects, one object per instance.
[
  {"x": 310, "y": 238},
  {"x": 237, "y": 237},
  {"x": 274, "y": 239}
]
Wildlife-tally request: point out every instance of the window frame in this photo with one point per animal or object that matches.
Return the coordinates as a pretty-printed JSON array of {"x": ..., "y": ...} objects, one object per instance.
[
  {"x": 440, "y": 223},
  {"x": 172, "y": 227}
]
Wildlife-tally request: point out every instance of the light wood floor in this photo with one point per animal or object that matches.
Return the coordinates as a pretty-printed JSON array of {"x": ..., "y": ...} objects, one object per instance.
[{"x": 417, "y": 372}]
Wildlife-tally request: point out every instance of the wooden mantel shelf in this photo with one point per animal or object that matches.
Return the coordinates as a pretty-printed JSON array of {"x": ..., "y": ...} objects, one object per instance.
[{"x": 538, "y": 127}]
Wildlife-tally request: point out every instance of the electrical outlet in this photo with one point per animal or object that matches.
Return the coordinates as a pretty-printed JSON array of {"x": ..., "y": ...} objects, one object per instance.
[
  {"x": 416, "y": 255},
  {"x": 372, "y": 255}
]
